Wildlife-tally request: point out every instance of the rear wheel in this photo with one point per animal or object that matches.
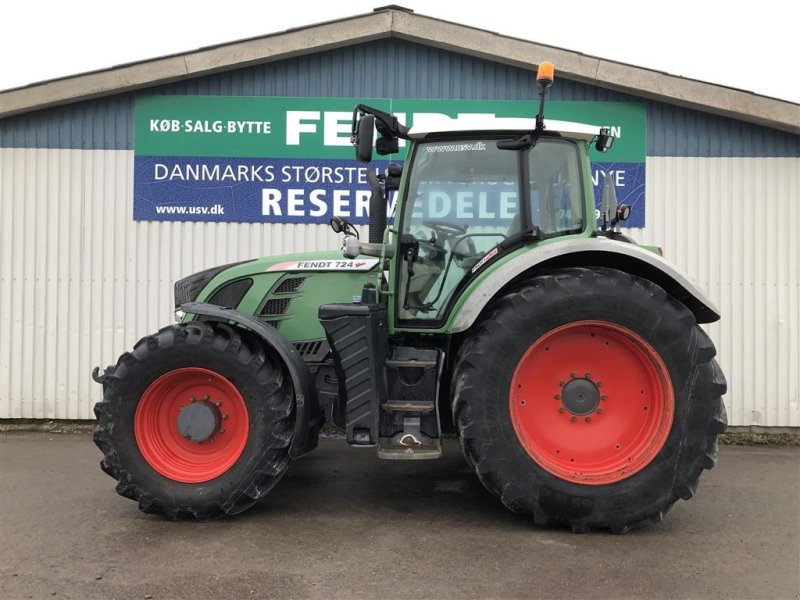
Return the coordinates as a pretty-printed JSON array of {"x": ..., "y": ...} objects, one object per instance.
[
  {"x": 195, "y": 422},
  {"x": 610, "y": 404}
]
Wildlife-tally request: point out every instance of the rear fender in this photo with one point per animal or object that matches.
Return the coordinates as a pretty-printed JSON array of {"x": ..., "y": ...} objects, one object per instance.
[
  {"x": 307, "y": 414},
  {"x": 584, "y": 252}
]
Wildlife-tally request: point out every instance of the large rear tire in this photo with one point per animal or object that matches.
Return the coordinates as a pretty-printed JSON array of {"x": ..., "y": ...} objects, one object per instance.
[
  {"x": 196, "y": 421},
  {"x": 589, "y": 398}
]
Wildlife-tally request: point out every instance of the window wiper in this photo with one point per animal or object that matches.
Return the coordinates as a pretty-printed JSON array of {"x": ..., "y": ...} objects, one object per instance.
[{"x": 519, "y": 238}]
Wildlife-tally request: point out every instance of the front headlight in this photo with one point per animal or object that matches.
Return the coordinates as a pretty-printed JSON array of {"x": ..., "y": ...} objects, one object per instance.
[{"x": 189, "y": 288}]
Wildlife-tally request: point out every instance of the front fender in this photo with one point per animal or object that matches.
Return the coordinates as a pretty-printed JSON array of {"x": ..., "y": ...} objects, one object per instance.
[
  {"x": 585, "y": 252},
  {"x": 307, "y": 418}
]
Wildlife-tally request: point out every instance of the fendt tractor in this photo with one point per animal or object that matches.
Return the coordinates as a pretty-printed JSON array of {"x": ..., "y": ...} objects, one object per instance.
[{"x": 567, "y": 358}]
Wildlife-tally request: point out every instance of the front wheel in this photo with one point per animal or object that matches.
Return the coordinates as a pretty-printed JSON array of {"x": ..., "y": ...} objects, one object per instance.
[
  {"x": 589, "y": 398},
  {"x": 195, "y": 422}
]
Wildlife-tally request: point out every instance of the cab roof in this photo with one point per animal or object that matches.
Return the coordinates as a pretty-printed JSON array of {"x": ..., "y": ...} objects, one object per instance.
[{"x": 431, "y": 124}]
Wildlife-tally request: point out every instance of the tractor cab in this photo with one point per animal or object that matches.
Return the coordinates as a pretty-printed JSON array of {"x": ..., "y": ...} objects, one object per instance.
[
  {"x": 473, "y": 190},
  {"x": 461, "y": 208}
]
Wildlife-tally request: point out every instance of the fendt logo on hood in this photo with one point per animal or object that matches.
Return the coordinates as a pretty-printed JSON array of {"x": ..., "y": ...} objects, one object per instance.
[{"x": 325, "y": 265}]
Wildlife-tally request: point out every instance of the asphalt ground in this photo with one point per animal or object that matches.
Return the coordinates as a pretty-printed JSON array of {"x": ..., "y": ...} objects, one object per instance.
[{"x": 343, "y": 524}]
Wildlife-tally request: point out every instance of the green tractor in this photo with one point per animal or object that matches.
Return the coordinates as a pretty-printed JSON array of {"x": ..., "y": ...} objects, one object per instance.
[{"x": 567, "y": 358}]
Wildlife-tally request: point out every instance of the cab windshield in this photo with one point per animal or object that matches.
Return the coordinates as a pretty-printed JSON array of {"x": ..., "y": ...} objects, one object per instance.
[{"x": 462, "y": 201}]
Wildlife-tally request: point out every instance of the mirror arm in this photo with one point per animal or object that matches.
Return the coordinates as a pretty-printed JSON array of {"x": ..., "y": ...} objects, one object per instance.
[{"x": 387, "y": 125}]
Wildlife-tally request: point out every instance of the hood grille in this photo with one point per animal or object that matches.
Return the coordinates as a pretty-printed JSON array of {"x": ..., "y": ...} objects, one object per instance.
[
  {"x": 279, "y": 300},
  {"x": 275, "y": 307},
  {"x": 290, "y": 285}
]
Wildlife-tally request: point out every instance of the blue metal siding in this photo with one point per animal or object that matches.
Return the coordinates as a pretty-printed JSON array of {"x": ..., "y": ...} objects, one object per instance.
[
  {"x": 106, "y": 124},
  {"x": 391, "y": 68},
  {"x": 676, "y": 131}
]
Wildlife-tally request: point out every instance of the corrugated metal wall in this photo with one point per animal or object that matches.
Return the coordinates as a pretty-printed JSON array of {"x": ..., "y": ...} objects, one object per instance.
[
  {"x": 391, "y": 68},
  {"x": 80, "y": 281},
  {"x": 729, "y": 224}
]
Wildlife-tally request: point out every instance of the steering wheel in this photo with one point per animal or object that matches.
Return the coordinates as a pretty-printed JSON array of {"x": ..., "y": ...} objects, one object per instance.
[
  {"x": 448, "y": 232},
  {"x": 465, "y": 254},
  {"x": 445, "y": 228},
  {"x": 463, "y": 249},
  {"x": 429, "y": 248}
]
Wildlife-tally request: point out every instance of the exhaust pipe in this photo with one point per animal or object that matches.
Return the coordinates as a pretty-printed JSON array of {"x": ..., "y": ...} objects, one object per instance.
[{"x": 377, "y": 208}]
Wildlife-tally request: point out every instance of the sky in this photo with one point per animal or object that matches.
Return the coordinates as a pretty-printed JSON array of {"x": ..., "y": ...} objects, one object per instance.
[{"x": 750, "y": 46}]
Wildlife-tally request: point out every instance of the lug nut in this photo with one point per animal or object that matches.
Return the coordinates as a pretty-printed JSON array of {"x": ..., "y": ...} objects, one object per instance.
[
  {"x": 574, "y": 418},
  {"x": 561, "y": 383},
  {"x": 211, "y": 440},
  {"x": 206, "y": 397},
  {"x": 599, "y": 411},
  {"x": 573, "y": 375},
  {"x": 603, "y": 397},
  {"x": 588, "y": 419},
  {"x": 225, "y": 416},
  {"x": 587, "y": 375},
  {"x": 557, "y": 396},
  {"x": 222, "y": 430},
  {"x": 218, "y": 403},
  {"x": 192, "y": 399},
  {"x": 599, "y": 384},
  {"x": 562, "y": 410}
]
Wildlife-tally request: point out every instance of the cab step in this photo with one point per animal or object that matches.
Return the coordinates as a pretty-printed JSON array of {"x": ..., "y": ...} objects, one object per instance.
[
  {"x": 410, "y": 444},
  {"x": 411, "y": 363},
  {"x": 409, "y": 419},
  {"x": 408, "y": 406}
]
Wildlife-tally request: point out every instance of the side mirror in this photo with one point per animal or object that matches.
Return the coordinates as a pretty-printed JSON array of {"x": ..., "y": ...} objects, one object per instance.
[
  {"x": 393, "y": 174},
  {"x": 608, "y": 200},
  {"x": 365, "y": 137},
  {"x": 387, "y": 145},
  {"x": 604, "y": 140}
]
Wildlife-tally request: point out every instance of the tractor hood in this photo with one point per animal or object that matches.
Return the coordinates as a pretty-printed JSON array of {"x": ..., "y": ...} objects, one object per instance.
[
  {"x": 320, "y": 261},
  {"x": 306, "y": 261},
  {"x": 191, "y": 288}
]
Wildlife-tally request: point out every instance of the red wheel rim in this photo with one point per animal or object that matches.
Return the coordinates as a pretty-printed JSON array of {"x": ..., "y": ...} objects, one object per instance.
[
  {"x": 158, "y": 436},
  {"x": 591, "y": 402}
]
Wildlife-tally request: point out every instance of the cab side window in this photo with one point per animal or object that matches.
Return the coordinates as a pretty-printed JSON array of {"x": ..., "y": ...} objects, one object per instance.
[
  {"x": 556, "y": 191},
  {"x": 463, "y": 200}
]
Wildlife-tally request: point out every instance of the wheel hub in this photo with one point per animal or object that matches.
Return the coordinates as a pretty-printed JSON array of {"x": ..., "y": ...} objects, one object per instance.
[
  {"x": 198, "y": 421},
  {"x": 580, "y": 396},
  {"x": 191, "y": 402},
  {"x": 578, "y": 438}
]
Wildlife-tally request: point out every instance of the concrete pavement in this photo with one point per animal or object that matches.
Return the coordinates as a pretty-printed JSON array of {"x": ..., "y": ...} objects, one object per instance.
[{"x": 344, "y": 525}]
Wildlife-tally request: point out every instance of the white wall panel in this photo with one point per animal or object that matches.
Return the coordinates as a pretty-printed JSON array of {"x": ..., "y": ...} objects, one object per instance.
[
  {"x": 730, "y": 225},
  {"x": 80, "y": 281}
]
